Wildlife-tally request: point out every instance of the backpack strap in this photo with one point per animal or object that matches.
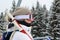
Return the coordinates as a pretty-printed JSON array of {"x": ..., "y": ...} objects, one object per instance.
[{"x": 12, "y": 35}]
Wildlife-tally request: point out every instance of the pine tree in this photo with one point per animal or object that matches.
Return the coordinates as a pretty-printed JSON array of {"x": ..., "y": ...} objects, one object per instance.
[
  {"x": 54, "y": 19},
  {"x": 45, "y": 14},
  {"x": 1, "y": 26},
  {"x": 45, "y": 21},
  {"x": 38, "y": 5},
  {"x": 38, "y": 25},
  {"x": 13, "y": 6},
  {"x": 2, "y": 22}
]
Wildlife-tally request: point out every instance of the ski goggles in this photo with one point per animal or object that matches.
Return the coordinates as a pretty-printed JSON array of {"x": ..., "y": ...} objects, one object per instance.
[{"x": 29, "y": 17}]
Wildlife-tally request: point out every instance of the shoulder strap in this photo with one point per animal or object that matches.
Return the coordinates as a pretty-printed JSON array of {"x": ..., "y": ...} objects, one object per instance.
[{"x": 12, "y": 35}]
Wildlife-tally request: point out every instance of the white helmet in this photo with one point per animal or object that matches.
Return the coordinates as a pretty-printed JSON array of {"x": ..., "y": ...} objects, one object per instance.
[{"x": 22, "y": 13}]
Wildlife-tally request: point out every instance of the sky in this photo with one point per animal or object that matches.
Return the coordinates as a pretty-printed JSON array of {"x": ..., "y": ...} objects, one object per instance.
[{"x": 7, "y": 4}]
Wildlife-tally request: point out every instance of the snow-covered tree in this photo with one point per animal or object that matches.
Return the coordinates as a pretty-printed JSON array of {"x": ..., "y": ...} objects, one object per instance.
[
  {"x": 13, "y": 6},
  {"x": 39, "y": 27},
  {"x": 54, "y": 20},
  {"x": 2, "y": 28}
]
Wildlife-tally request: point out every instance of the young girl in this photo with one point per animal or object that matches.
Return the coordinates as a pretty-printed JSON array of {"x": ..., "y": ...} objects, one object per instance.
[{"x": 24, "y": 18}]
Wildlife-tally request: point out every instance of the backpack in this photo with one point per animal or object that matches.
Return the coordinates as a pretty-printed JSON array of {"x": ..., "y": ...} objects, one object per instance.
[{"x": 6, "y": 35}]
